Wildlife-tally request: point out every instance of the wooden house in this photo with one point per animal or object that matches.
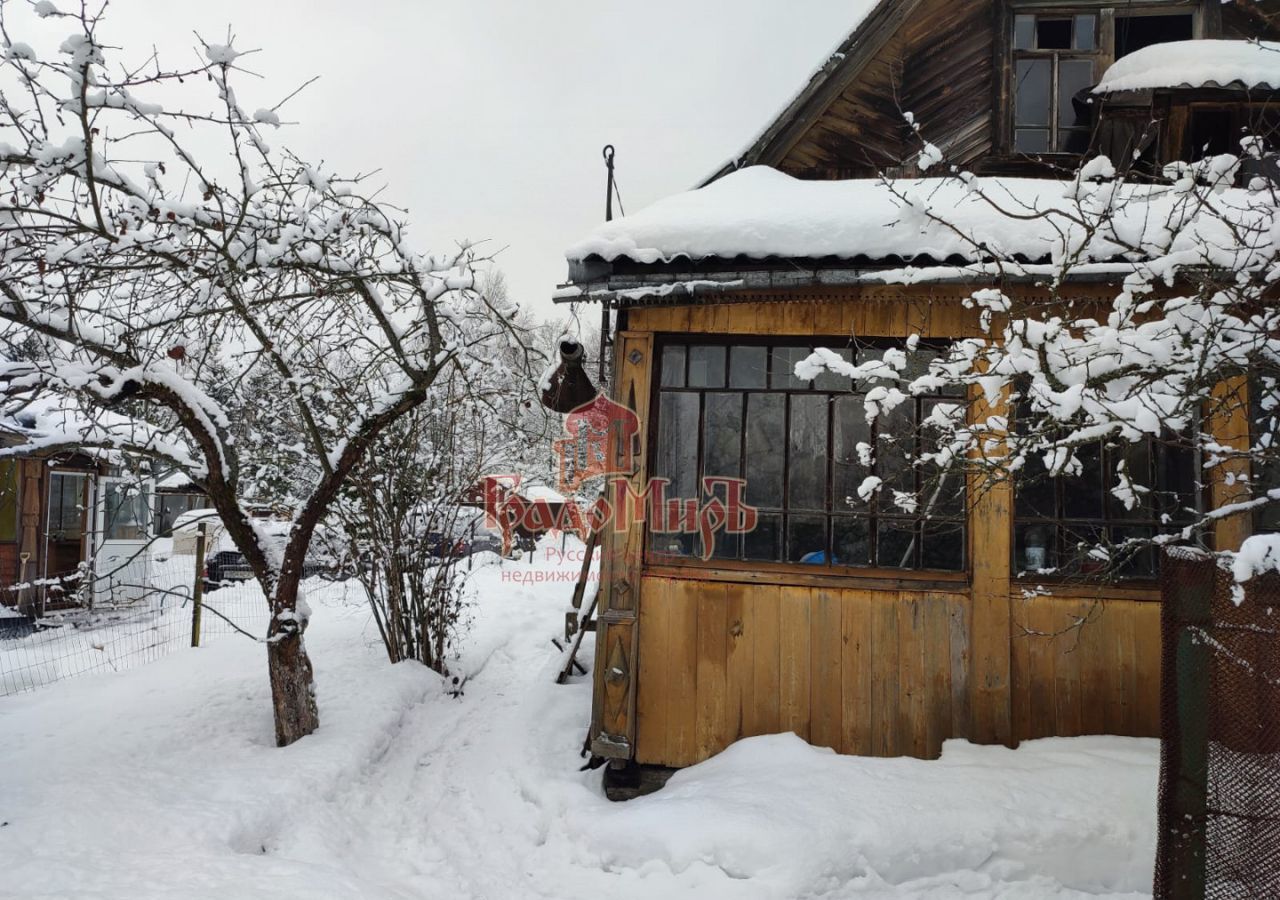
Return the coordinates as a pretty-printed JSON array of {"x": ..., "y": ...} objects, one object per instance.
[
  {"x": 859, "y": 628},
  {"x": 63, "y": 511}
]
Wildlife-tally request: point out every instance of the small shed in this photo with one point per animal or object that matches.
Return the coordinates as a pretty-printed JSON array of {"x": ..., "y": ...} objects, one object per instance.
[{"x": 856, "y": 626}]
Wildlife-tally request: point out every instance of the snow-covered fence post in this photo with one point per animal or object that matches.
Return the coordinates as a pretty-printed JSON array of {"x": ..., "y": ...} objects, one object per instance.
[{"x": 197, "y": 587}]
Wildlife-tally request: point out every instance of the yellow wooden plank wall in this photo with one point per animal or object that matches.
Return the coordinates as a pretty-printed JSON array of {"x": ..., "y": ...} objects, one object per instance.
[
  {"x": 873, "y": 673},
  {"x": 1098, "y": 677}
]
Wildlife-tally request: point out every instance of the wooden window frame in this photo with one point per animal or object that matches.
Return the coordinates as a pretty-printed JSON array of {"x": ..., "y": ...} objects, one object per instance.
[
  {"x": 1104, "y": 54},
  {"x": 783, "y": 571}
]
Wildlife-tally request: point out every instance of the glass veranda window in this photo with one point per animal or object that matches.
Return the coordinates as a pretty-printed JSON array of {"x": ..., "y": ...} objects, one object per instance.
[
  {"x": 1053, "y": 67},
  {"x": 805, "y": 450},
  {"x": 1077, "y": 524}
]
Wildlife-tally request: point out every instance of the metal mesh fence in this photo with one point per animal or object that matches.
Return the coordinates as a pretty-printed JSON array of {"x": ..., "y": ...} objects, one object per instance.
[
  {"x": 1219, "y": 828},
  {"x": 138, "y": 612}
]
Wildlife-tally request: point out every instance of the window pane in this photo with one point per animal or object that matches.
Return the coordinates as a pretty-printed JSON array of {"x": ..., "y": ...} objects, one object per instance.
[
  {"x": 1086, "y": 32},
  {"x": 1133, "y": 561},
  {"x": 676, "y": 544},
  {"x": 1075, "y": 77},
  {"x": 829, "y": 381},
  {"x": 748, "y": 367},
  {"x": 943, "y": 546},
  {"x": 765, "y": 542},
  {"x": 1135, "y": 32},
  {"x": 942, "y": 490},
  {"x": 851, "y": 541},
  {"x": 727, "y": 546},
  {"x": 896, "y": 544},
  {"x": 1031, "y": 140},
  {"x": 126, "y": 510},
  {"x": 895, "y": 446},
  {"x": 673, "y": 367},
  {"x": 1178, "y": 483},
  {"x": 1082, "y": 495},
  {"x": 677, "y": 456},
  {"x": 807, "y": 481},
  {"x": 1053, "y": 34},
  {"x": 784, "y": 365},
  {"x": 1034, "y": 491},
  {"x": 1034, "y": 77},
  {"x": 1137, "y": 463},
  {"x": 722, "y": 439},
  {"x": 1080, "y": 546},
  {"x": 848, "y": 471},
  {"x": 807, "y": 539},
  {"x": 1024, "y": 32},
  {"x": 1035, "y": 549},
  {"x": 706, "y": 367},
  {"x": 766, "y": 436}
]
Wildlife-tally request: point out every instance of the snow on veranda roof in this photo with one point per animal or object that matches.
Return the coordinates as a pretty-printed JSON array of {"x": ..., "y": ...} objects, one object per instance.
[
  {"x": 760, "y": 213},
  {"x": 1196, "y": 64}
]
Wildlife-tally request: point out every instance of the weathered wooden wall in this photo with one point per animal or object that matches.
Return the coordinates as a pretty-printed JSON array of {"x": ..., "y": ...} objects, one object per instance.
[
  {"x": 866, "y": 666},
  {"x": 874, "y": 673}
]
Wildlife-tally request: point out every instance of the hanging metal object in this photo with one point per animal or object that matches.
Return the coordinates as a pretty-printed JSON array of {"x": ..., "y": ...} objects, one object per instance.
[{"x": 606, "y": 338}]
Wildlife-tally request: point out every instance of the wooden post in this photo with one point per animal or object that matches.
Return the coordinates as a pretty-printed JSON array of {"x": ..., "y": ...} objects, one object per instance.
[
  {"x": 613, "y": 722},
  {"x": 990, "y": 622},
  {"x": 1229, "y": 480},
  {"x": 1186, "y": 587},
  {"x": 197, "y": 591}
]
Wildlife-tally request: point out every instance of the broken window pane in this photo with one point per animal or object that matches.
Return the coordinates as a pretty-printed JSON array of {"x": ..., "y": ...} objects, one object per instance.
[{"x": 1053, "y": 34}]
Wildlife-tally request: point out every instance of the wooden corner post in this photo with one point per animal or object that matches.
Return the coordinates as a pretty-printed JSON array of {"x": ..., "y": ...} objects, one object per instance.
[
  {"x": 613, "y": 712},
  {"x": 991, "y": 552}
]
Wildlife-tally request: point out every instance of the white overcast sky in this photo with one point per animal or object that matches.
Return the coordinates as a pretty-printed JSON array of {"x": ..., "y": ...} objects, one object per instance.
[{"x": 487, "y": 117}]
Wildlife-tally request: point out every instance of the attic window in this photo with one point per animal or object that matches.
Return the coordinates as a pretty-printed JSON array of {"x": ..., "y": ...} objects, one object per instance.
[{"x": 1053, "y": 69}]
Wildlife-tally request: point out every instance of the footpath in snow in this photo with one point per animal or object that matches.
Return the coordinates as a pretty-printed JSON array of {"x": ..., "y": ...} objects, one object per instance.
[{"x": 163, "y": 782}]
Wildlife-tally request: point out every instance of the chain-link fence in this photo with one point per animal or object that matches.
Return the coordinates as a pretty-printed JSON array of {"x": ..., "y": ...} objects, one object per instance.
[
  {"x": 133, "y": 614},
  {"x": 1220, "y": 752}
]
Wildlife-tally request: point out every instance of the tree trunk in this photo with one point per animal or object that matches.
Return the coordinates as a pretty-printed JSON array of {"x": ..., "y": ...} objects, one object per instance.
[
  {"x": 292, "y": 691},
  {"x": 293, "y": 695}
]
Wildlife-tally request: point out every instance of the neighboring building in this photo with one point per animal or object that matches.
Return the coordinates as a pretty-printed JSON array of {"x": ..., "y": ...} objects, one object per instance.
[
  {"x": 858, "y": 626},
  {"x": 61, "y": 509},
  {"x": 176, "y": 494}
]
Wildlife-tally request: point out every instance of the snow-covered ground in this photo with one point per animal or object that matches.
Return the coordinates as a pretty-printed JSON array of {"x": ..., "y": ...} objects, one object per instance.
[{"x": 163, "y": 782}]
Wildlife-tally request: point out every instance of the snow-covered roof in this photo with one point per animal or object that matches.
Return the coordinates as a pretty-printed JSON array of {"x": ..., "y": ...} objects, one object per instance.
[
  {"x": 1195, "y": 64},
  {"x": 760, "y": 213},
  {"x": 53, "y": 420},
  {"x": 540, "y": 492}
]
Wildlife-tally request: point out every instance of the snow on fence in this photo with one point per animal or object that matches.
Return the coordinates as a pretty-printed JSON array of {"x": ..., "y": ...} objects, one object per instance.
[{"x": 137, "y": 613}]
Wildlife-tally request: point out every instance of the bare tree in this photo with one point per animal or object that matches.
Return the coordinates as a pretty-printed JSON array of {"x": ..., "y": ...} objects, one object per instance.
[{"x": 167, "y": 258}]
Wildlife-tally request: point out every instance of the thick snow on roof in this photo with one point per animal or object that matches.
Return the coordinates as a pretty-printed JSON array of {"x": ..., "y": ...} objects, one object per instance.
[
  {"x": 759, "y": 212},
  {"x": 1196, "y": 64}
]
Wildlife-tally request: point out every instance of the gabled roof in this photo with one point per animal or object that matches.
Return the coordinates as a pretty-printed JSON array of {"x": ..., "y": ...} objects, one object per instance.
[{"x": 841, "y": 69}]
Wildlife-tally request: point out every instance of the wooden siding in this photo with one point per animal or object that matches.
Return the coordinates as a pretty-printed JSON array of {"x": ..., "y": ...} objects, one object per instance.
[
  {"x": 875, "y": 673},
  {"x": 1101, "y": 677}
]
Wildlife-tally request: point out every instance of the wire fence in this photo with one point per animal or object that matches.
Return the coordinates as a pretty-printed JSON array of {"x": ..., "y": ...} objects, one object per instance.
[
  {"x": 137, "y": 613},
  {"x": 1219, "y": 831}
]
